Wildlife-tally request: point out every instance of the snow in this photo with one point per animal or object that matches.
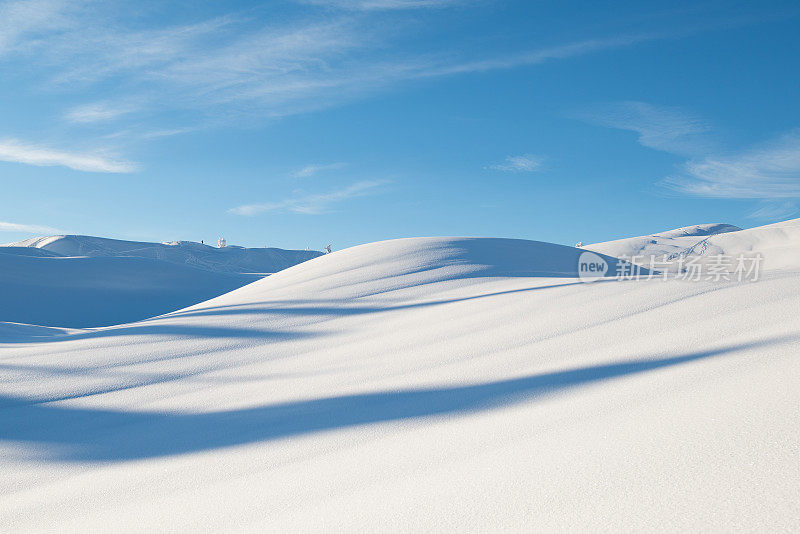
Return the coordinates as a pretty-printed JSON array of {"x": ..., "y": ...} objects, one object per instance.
[
  {"x": 467, "y": 384},
  {"x": 670, "y": 243},
  {"x": 776, "y": 243},
  {"x": 231, "y": 259},
  {"x": 701, "y": 230},
  {"x": 82, "y": 292},
  {"x": 83, "y": 281}
]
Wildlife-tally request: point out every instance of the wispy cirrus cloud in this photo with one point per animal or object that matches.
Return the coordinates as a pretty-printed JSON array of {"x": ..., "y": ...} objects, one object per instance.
[
  {"x": 774, "y": 211},
  {"x": 235, "y": 66},
  {"x": 370, "y": 5},
  {"x": 667, "y": 129},
  {"x": 22, "y": 22},
  {"x": 184, "y": 73},
  {"x": 314, "y": 168},
  {"x": 523, "y": 163},
  {"x": 98, "y": 112},
  {"x": 28, "y": 228},
  {"x": 12, "y": 150},
  {"x": 545, "y": 54},
  {"x": 92, "y": 47},
  {"x": 770, "y": 171},
  {"x": 312, "y": 204}
]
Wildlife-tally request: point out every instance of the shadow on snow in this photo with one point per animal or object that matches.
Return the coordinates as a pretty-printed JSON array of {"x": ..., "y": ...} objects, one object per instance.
[
  {"x": 322, "y": 308},
  {"x": 67, "y": 433}
]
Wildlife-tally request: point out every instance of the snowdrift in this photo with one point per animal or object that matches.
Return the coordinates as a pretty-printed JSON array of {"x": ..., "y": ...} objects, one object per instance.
[
  {"x": 670, "y": 243},
  {"x": 83, "y": 281},
  {"x": 99, "y": 291},
  {"x": 44, "y": 288},
  {"x": 415, "y": 262},
  {"x": 418, "y": 385},
  {"x": 230, "y": 259},
  {"x": 778, "y": 244},
  {"x": 699, "y": 230}
]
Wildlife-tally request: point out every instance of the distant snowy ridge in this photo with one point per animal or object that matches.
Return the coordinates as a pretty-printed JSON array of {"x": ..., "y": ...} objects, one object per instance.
[
  {"x": 82, "y": 281},
  {"x": 778, "y": 244},
  {"x": 108, "y": 285},
  {"x": 416, "y": 263},
  {"x": 699, "y": 230},
  {"x": 85, "y": 291},
  {"x": 230, "y": 259},
  {"x": 670, "y": 242}
]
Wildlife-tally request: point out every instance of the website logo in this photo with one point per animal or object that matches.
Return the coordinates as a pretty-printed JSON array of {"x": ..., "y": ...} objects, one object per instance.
[{"x": 591, "y": 266}]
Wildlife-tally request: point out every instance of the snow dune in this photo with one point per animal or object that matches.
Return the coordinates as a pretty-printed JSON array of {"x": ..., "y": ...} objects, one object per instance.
[
  {"x": 418, "y": 384},
  {"x": 82, "y": 281},
  {"x": 776, "y": 243},
  {"x": 230, "y": 259},
  {"x": 670, "y": 243},
  {"x": 83, "y": 292}
]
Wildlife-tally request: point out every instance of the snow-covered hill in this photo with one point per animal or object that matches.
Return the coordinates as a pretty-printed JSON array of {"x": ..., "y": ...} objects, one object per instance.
[
  {"x": 84, "y": 281},
  {"x": 699, "y": 230},
  {"x": 777, "y": 244},
  {"x": 671, "y": 242},
  {"x": 419, "y": 384},
  {"x": 230, "y": 259},
  {"x": 101, "y": 291}
]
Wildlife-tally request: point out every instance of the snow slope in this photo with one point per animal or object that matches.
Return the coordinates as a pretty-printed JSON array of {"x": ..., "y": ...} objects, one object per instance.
[
  {"x": 420, "y": 384},
  {"x": 83, "y": 292},
  {"x": 776, "y": 243},
  {"x": 670, "y": 243},
  {"x": 231, "y": 259},
  {"x": 83, "y": 281}
]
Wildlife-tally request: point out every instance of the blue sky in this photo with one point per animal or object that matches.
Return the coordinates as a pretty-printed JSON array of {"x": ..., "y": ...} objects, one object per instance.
[{"x": 306, "y": 122}]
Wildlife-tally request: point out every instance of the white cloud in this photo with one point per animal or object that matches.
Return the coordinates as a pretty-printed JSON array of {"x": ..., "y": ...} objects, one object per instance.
[
  {"x": 235, "y": 66},
  {"x": 768, "y": 172},
  {"x": 292, "y": 69},
  {"x": 774, "y": 211},
  {"x": 523, "y": 163},
  {"x": 314, "y": 203},
  {"x": 155, "y": 134},
  {"x": 369, "y": 5},
  {"x": 667, "y": 129},
  {"x": 22, "y": 21},
  {"x": 542, "y": 55},
  {"x": 95, "y": 47},
  {"x": 98, "y": 112},
  {"x": 314, "y": 168},
  {"x": 12, "y": 150},
  {"x": 28, "y": 228}
]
